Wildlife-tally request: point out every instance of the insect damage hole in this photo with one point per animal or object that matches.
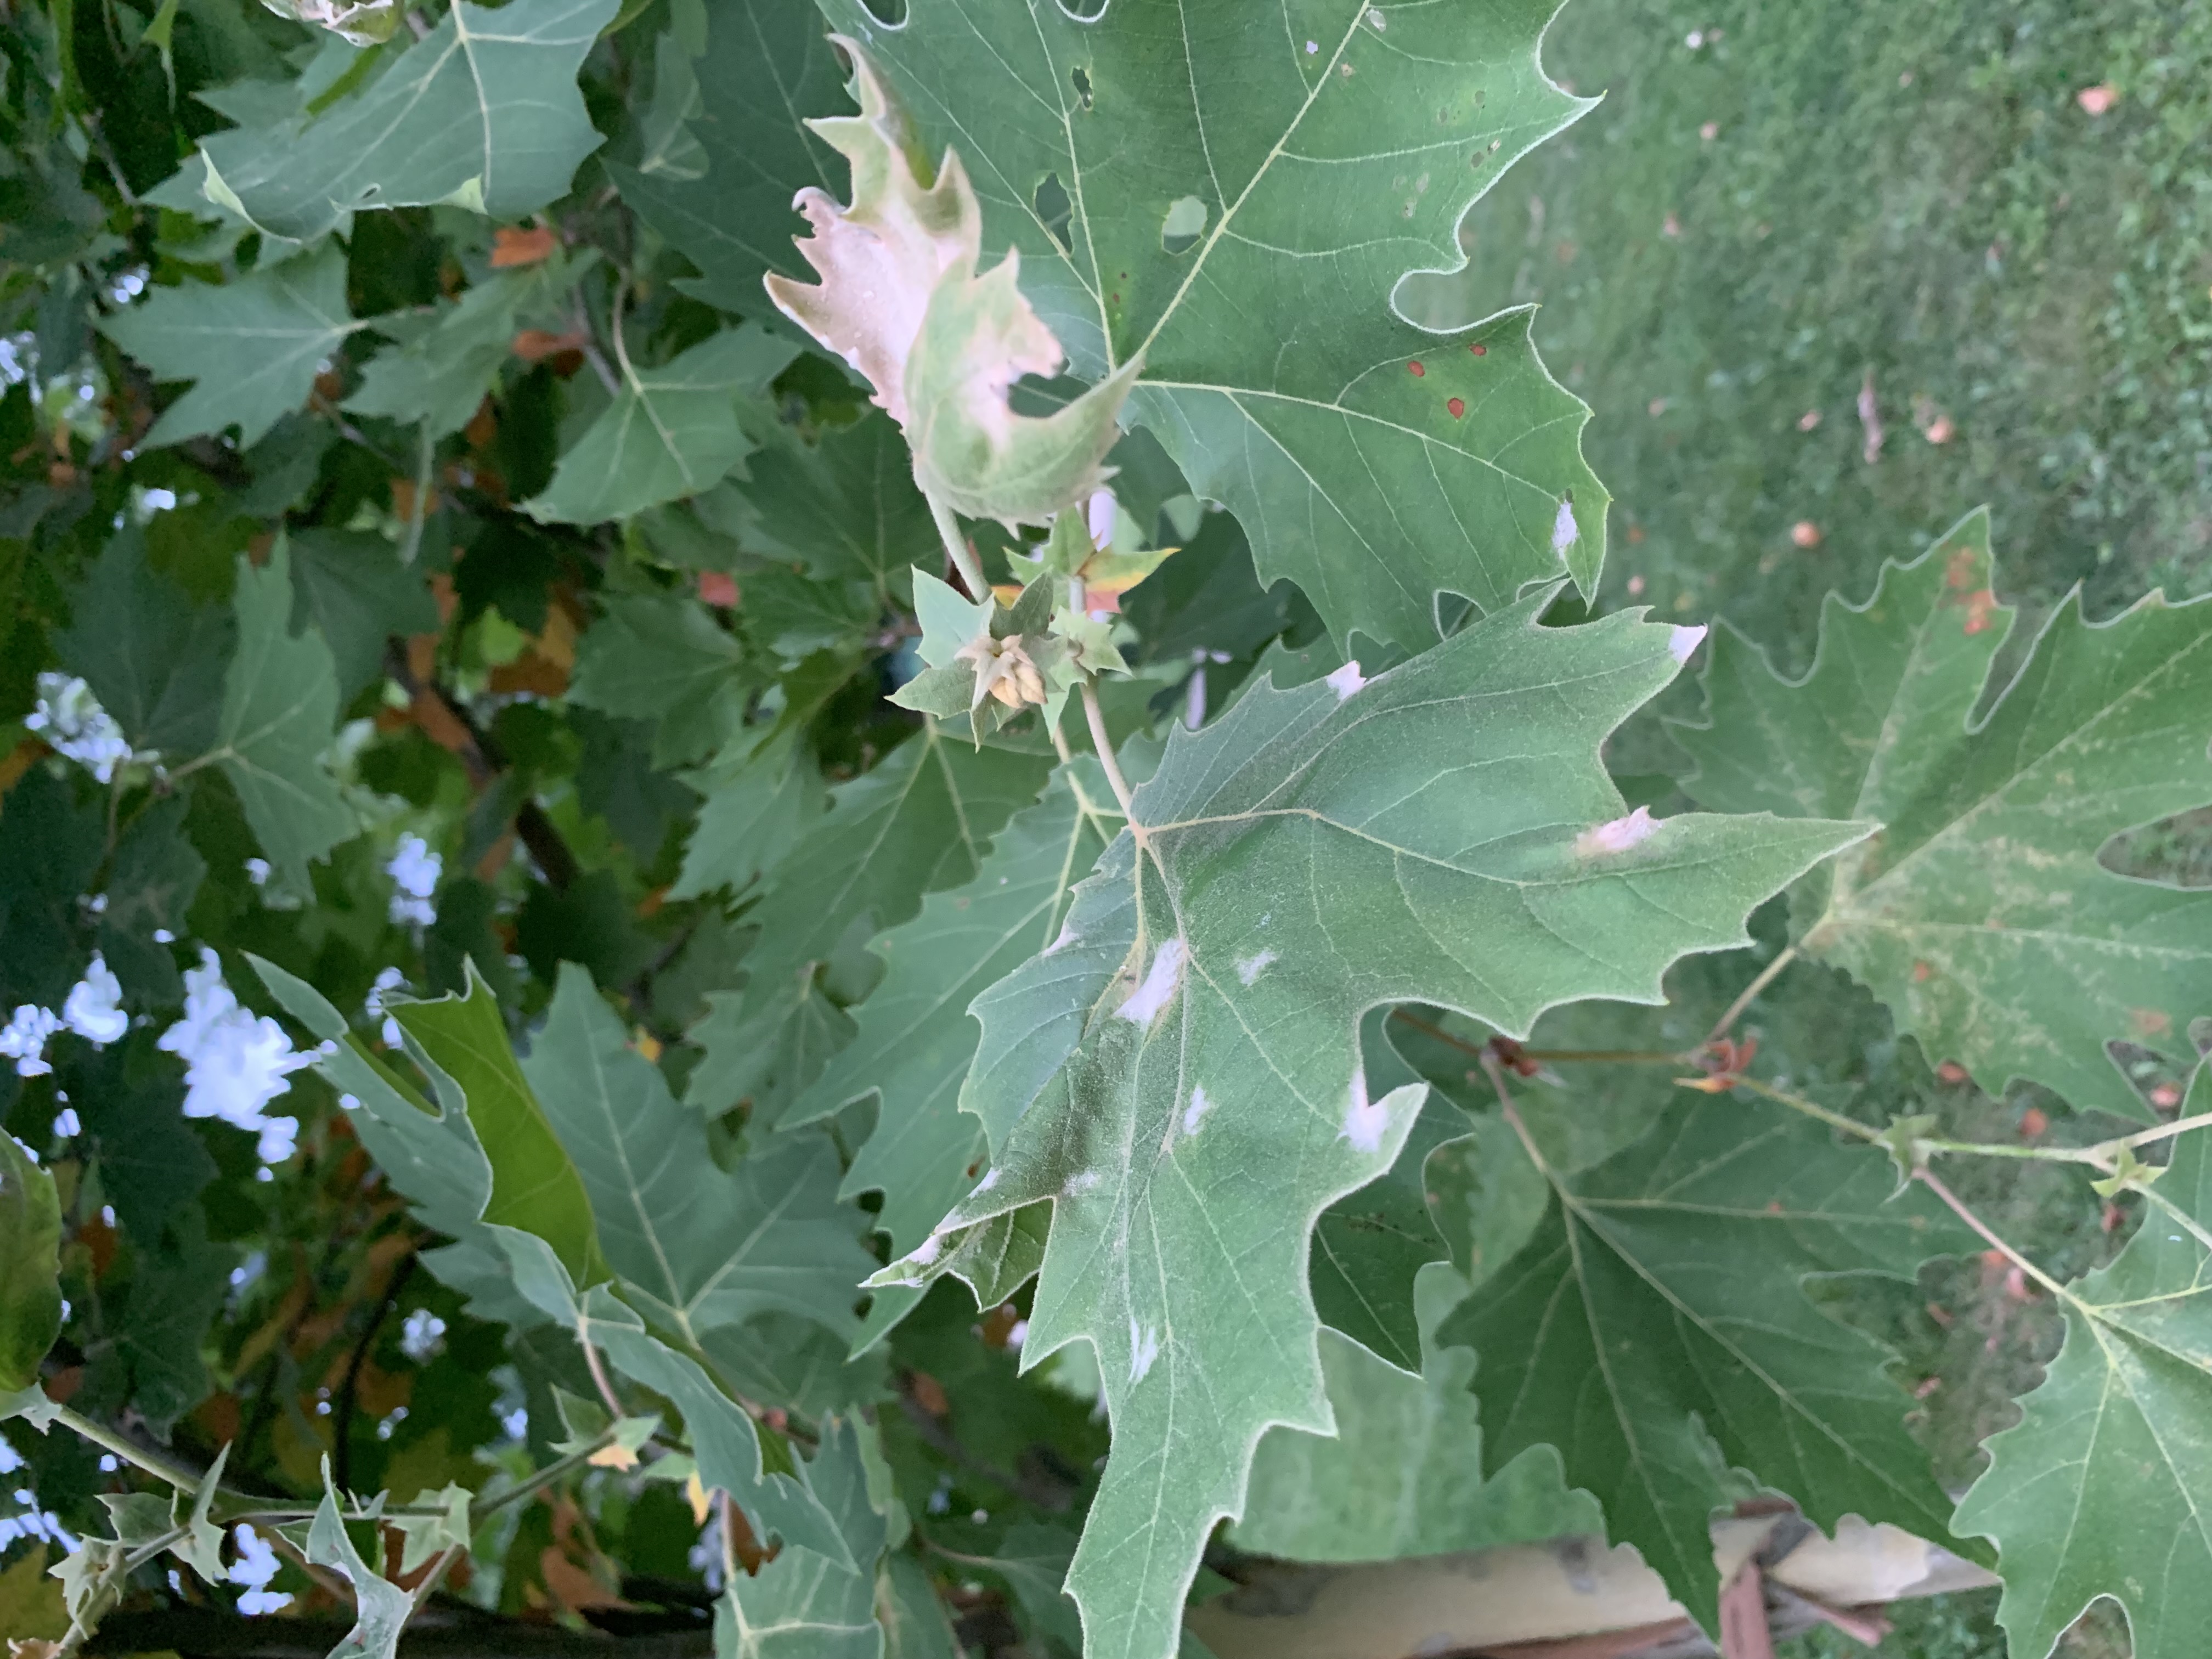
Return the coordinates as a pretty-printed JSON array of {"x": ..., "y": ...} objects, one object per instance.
[
  {"x": 1054, "y": 210},
  {"x": 1184, "y": 224},
  {"x": 1082, "y": 83}
]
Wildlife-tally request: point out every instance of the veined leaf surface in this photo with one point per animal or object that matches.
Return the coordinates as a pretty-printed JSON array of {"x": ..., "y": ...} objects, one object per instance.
[
  {"x": 1982, "y": 914},
  {"x": 1444, "y": 833}
]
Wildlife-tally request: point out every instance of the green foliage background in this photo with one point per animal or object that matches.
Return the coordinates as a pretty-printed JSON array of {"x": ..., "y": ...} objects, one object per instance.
[{"x": 1771, "y": 207}]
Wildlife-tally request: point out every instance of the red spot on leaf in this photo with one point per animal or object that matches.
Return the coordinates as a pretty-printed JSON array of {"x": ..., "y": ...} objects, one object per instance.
[
  {"x": 717, "y": 587},
  {"x": 1979, "y": 607},
  {"x": 1952, "y": 1072},
  {"x": 1458, "y": 407},
  {"x": 1921, "y": 970},
  {"x": 1417, "y": 368},
  {"x": 2032, "y": 1122},
  {"x": 1480, "y": 350},
  {"x": 2150, "y": 1022}
]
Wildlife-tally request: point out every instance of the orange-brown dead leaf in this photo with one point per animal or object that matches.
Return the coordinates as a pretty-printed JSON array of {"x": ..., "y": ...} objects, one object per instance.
[{"x": 521, "y": 244}]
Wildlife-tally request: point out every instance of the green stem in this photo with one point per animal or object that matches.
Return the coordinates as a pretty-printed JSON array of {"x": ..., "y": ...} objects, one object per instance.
[
  {"x": 106, "y": 1438},
  {"x": 1097, "y": 717},
  {"x": 419, "y": 509},
  {"x": 956, "y": 549},
  {"x": 1767, "y": 976}
]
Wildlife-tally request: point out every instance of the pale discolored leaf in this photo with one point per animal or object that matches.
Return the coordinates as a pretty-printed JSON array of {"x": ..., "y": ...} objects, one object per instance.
[
  {"x": 1983, "y": 914},
  {"x": 1657, "y": 1314},
  {"x": 252, "y": 347},
  {"x": 482, "y": 113},
  {"x": 2098, "y": 1491},
  {"x": 671, "y": 432},
  {"x": 1313, "y": 854},
  {"x": 279, "y": 707},
  {"x": 901, "y": 301},
  {"x": 1327, "y": 154}
]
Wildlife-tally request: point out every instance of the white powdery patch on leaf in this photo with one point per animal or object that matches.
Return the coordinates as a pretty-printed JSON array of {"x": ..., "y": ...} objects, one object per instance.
[
  {"x": 989, "y": 1181},
  {"x": 1143, "y": 1349},
  {"x": 1365, "y": 1121},
  {"x": 1346, "y": 680},
  {"x": 1565, "y": 531},
  {"x": 1252, "y": 967},
  {"x": 1082, "y": 1182},
  {"x": 1619, "y": 835},
  {"x": 1144, "y": 1003},
  {"x": 235, "y": 1062},
  {"x": 1194, "y": 1114},
  {"x": 1067, "y": 936}
]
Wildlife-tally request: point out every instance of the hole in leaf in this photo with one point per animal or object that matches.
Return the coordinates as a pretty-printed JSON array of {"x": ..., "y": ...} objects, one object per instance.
[
  {"x": 1054, "y": 209},
  {"x": 1184, "y": 225},
  {"x": 1082, "y": 86}
]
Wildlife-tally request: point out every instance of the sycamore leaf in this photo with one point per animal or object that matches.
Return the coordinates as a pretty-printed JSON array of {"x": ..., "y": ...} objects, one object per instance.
[
  {"x": 671, "y": 431},
  {"x": 430, "y": 1153},
  {"x": 482, "y": 113},
  {"x": 1658, "y": 1310},
  {"x": 844, "y": 506},
  {"x": 152, "y": 878},
  {"x": 921, "y": 820},
  {"x": 445, "y": 363},
  {"x": 915, "y": 1041},
  {"x": 2098, "y": 1491},
  {"x": 899, "y": 300},
  {"x": 1403, "y": 1475},
  {"x": 30, "y": 1267},
  {"x": 1982, "y": 914},
  {"x": 152, "y": 658},
  {"x": 280, "y": 705},
  {"x": 759, "y": 802},
  {"x": 755, "y": 1465},
  {"x": 252, "y": 347},
  {"x": 663, "y": 658},
  {"x": 1236, "y": 205},
  {"x": 381, "y": 1608},
  {"x": 1443, "y": 833},
  {"x": 1369, "y": 1246},
  {"x": 359, "y": 595},
  {"x": 803, "y": 1605},
  {"x": 534, "y": 1188},
  {"x": 766, "y": 62},
  {"x": 693, "y": 1245}
]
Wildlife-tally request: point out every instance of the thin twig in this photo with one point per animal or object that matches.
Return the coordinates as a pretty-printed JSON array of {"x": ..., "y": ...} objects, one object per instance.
[
  {"x": 1766, "y": 977},
  {"x": 599, "y": 1378},
  {"x": 1933, "y": 1183},
  {"x": 1097, "y": 717},
  {"x": 418, "y": 509},
  {"x": 956, "y": 549},
  {"x": 1834, "y": 1120}
]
